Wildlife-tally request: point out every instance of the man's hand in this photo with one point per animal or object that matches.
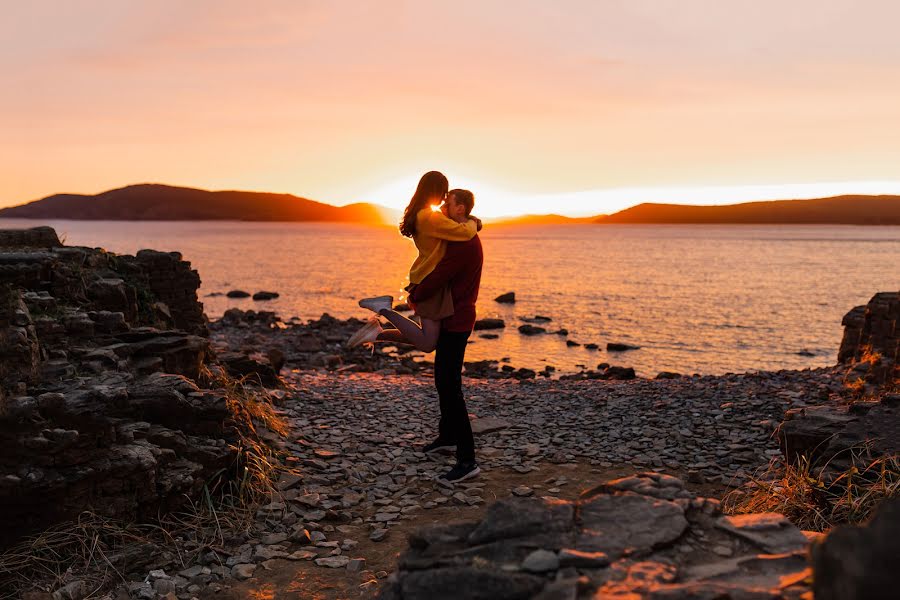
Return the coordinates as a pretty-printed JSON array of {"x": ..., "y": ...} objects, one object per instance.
[{"x": 478, "y": 224}]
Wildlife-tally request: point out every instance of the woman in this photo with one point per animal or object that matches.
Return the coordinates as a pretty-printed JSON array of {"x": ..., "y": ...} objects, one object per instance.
[{"x": 430, "y": 230}]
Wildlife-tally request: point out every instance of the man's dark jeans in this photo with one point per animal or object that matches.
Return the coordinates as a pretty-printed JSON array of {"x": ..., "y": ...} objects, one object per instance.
[{"x": 448, "y": 364}]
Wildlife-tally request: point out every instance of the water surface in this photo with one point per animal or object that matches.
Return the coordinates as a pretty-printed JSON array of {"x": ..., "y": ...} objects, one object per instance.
[{"x": 696, "y": 299}]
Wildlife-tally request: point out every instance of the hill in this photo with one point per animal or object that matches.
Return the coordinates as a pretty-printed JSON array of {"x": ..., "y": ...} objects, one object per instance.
[
  {"x": 540, "y": 220},
  {"x": 154, "y": 202},
  {"x": 838, "y": 210}
]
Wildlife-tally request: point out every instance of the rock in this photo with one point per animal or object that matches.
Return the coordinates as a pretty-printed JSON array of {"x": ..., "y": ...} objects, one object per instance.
[
  {"x": 771, "y": 532},
  {"x": 242, "y": 366},
  {"x": 276, "y": 359},
  {"x": 243, "y": 571},
  {"x": 100, "y": 358},
  {"x": 507, "y": 298},
  {"x": 164, "y": 586},
  {"x": 872, "y": 340},
  {"x": 616, "y": 373},
  {"x": 580, "y": 559},
  {"x": 265, "y": 295},
  {"x": 34, "y": 237},
  {"x": 483, "y": 324},
  {"x": 540, "y": 561},
  {"x": 333, "y": 562},
  {"x": 617, "y": 347},
  {"x": 826, "y": 434},
  {"x": 237, "y": 294},
  {"x": 859, "y": 562},
  {"x": 622, "y": 543},
  {"x": 668, "y": 375},
  {"x": 484, "y": 425},
  {"x": 378, "y": 535},
  {"x": 613, "y": 523},
  {"x": 522, "y": 491},
  {"x": 531, "y": 329},
  {"x": 74, "y": 590},
  {"x": 356, "y": 565}
]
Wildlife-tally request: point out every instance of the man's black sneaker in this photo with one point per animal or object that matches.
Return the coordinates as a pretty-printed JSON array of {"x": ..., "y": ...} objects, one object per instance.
[
  {"x": 461, "y": 472},
  {"x": 438, "y": 446}
]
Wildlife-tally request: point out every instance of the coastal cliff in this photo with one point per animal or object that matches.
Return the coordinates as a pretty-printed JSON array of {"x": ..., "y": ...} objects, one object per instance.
[{"x": 100, "y": 359}]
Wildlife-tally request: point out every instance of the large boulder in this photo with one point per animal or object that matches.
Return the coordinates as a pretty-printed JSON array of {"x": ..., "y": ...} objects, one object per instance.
[
  {"x": 860, "y": 562},
  {"x": 871, "y": 343}
]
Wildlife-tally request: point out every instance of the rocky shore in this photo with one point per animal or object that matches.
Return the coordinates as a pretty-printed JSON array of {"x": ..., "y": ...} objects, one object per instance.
[{"x": 112, "y": 402}]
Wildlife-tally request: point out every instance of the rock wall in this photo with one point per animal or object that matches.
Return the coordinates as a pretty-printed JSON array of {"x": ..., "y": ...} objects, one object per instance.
[
  {"x": 99, "y": 404},
  {"x": 871, "y": 343}
]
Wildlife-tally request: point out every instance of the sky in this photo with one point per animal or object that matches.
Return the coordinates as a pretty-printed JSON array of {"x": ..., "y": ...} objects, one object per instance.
[{"x": 570, "y": 107}]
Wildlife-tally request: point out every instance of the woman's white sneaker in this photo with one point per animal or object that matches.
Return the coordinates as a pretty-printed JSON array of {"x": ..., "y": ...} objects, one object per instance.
[
  {"x": 378, "y": 303},
  {"x": 367, "y": 334}
]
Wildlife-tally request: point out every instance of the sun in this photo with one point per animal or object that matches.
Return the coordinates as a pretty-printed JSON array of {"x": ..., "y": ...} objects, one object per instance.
[{"x": 491, "y": 200}]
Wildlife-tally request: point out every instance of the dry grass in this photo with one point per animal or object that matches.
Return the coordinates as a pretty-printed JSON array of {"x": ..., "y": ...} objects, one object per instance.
[
  {"x": 99, "y": 551},
  {"x": 817, "y": 499}
]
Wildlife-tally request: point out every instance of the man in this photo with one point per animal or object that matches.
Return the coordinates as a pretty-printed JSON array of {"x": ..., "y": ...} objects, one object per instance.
[{"x": 461, "y": 270}]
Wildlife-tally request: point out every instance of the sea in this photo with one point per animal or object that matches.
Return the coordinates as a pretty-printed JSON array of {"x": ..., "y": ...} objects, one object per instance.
[{"x": 694, "y": 298}]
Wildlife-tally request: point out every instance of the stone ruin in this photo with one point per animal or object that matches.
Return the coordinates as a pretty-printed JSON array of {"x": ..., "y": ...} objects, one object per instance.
[{"x": 100, "y": 408}]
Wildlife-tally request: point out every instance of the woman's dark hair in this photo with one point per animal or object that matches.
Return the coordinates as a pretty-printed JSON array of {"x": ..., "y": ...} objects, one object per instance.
[{"x": 432, "y": 185}]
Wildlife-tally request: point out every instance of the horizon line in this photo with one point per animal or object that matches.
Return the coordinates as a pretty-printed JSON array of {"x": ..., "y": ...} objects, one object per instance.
[{"x": 616, "y": 199}]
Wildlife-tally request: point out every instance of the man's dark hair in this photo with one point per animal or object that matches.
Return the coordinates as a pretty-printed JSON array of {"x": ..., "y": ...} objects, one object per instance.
[{"x": 464, "y": 197}]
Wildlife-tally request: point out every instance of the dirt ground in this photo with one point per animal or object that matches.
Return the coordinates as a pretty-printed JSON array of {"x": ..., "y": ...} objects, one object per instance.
[{"x": 304, "y": 580}]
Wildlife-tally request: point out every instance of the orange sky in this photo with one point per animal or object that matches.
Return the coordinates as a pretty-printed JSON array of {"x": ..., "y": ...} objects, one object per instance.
[{"x": 575, "y": 107}]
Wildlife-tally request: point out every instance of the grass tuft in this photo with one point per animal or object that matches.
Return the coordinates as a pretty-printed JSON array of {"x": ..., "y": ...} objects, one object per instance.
[{"x": 818, "y": 498}]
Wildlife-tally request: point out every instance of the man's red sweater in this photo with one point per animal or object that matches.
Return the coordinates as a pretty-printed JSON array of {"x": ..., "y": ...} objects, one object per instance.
[{"x": 461, "y": 270}]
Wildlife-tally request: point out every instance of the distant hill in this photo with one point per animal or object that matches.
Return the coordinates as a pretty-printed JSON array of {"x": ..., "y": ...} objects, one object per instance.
[
  {"x": 154, "y": 202},
  {"x": 839, "y": 210},
  {"x": 540, "y": 220}
]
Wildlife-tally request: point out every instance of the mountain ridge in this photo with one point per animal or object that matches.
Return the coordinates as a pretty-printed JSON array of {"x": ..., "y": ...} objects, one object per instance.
[
  {"x": 833, "y": 210},
  {"x": 159, "y": 202}
]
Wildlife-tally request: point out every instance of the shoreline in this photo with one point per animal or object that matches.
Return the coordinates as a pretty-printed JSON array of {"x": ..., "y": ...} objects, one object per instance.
[{"x": 319, "y": 344}]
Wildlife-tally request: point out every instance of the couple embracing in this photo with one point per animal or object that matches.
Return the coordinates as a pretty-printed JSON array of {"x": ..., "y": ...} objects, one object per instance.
[{"x": 444, "y": 282}]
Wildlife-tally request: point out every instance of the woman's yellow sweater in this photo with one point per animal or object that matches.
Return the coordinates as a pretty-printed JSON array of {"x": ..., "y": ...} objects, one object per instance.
[{"x": 433, "y": 230}]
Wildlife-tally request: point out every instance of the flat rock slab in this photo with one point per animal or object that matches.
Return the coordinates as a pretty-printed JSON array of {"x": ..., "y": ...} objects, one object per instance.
[
  {"x": 488, "y": 424},
  {"x": 771, "y": 532},
  {"x": 628, "y": 522},
  {"x": 519, "y": 517}
]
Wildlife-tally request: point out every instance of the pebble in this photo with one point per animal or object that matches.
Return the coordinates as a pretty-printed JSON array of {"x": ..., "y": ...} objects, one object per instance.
[
  {"x": 243, "y": 571},
  {"x": 541, "y": 561},
  {"x": 378, "y": 535},
  {"x": 356, "y": 565},
  {"x": 333, "y": 562}
]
